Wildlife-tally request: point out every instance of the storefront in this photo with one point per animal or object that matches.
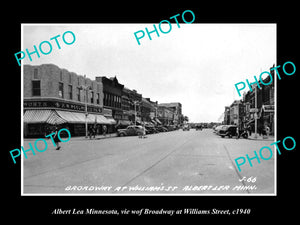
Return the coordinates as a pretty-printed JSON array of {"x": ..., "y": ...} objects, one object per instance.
[
  {"x": 268, "y": 116},
  {"x": 40, "y": 116}
]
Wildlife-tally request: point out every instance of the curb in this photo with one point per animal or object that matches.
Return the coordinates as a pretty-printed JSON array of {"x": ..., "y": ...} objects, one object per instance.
[{"x": 260, "y": 138}]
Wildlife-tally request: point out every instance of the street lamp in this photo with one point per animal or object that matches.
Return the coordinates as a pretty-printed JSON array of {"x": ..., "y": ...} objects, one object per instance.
[{"x": 85, "y": 88}]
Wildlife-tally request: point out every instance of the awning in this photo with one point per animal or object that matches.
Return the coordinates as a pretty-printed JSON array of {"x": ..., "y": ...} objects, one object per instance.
[
  {"x": 55, "y": 119},
  {"x": 149, "y": 124},
  {"x": 111, "y": 120},
  {"x": 36, "y": 116},
  {"x": 99, "y": 119},
  {"x": 75, "y": 117},
  {"x": 154, "y": 122},
  {"x": 158, "y": 121}
]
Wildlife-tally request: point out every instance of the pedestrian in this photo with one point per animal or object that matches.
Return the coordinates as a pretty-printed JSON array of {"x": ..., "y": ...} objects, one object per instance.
[
  {"x": 56, "y": 139},
  {"x": 140, "y": 131},
  {"x": 94, "y": 132},
  {"x": 104, "y": 130},
  {"x": 237, "y": 133},
  {"x": 90, "y": 132},
  {"x": 249, "y": 130},
  {"x": 266, "y": 131},
  {"x": 144, "y": 132}
]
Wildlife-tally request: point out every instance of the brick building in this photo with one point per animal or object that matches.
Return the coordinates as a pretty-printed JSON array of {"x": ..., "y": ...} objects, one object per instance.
[
  {"x": 55, "y": 96},
  {"x": 242, "y": 112}
]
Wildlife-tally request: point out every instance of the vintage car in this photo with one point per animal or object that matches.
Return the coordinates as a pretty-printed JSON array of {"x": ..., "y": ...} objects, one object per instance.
[
  {"x": 229, "y": 130},
  {"x": 130, "y": 131},
  {"x": 186, "y": 127}
]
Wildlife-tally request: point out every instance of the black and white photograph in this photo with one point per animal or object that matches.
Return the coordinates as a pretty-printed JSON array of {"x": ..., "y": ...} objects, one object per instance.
[
  {"x": 150, "y": 111},
  {"x": 174, "y": 108}
]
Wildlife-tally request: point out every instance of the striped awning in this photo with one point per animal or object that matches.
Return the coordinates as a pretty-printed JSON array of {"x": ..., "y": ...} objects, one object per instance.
[
  {"x": 100, "y": 119},
  {"x": 36, "y": 116},
  {"x": 42, "y": 116},
  {"x": 60, "y": 117},
  {"x": 75, "y": 117},
  {"x": 111, "y": 120},
  {"x": 158, "y": 121},
  {"x": 55, "y": 119}
]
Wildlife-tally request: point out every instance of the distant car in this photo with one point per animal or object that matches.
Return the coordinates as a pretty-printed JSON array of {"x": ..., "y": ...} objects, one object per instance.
[
  {"x": 130, "y": 131},
  {"x": 229, "y": 131},
  {"x": 186, "y": 127},
  {"x": 151, "y": 130},
  {"x": 161, "y": 129},
  {"x": 171, "y": 127},
  {"x": 199, "y": 127}
]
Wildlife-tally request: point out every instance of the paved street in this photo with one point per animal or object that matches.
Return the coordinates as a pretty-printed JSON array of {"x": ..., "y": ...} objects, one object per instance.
[{"x": 177, "y": 162}]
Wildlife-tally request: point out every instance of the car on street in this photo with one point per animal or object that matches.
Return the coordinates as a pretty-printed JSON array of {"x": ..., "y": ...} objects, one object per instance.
[
  {"x": 198, "y": 127},
  {"x": 151, "y": 130},
  {"x": 229, "y": 130},
  {"x": 218, "y": 128},
  {"x": 171, "y": 127},
  {"x": 186, "y": 127},
  {"x": 131, "y": 130},
  {"x": 161, "y": 129}
]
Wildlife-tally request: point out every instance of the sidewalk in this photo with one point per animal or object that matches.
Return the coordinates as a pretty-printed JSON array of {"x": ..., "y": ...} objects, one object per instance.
[
  {"x": 77, "y": 138},
  {"x": 97, "y": 137},
  {"x": 261, "y": 137}
]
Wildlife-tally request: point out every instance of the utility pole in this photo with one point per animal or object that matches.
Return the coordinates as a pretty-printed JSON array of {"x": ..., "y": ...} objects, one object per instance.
[
  {"x": 85, "y": 88},
  {"x": 255, "y": 115},
  {"x": 135, "y": 102}
]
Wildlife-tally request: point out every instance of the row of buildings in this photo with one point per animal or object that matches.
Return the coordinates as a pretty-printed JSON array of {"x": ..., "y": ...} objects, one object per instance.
[
  {"x": 54, "y": 96},
  {"x": 242, "y": 112}
]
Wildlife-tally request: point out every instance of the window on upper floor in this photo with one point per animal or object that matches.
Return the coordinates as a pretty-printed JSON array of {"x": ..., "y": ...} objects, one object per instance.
[
  {"x": 61, "y": 90},
  {"x": 36, "y": 88}
]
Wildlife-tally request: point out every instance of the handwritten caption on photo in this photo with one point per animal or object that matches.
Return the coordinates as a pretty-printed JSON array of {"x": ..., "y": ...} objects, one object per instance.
[{"x": 248, "y": 184}]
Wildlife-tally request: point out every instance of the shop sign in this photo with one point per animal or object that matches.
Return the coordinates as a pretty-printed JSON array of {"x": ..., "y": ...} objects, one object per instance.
[
  {"x": 60, "y": 105},
  {"x": 268, "y": 108},
  {"x": 253, "y": 110}
]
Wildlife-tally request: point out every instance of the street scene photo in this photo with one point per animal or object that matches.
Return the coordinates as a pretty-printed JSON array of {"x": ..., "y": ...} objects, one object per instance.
[{"x": 103, "y": 115}]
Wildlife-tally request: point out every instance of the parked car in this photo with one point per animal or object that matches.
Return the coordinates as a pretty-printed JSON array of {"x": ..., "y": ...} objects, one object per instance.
[
  {"x": 130, "y": 131},
  {"x": 186, "y": 127},
  {"x": 151, "y": 130},
  {"x": 218, "y": 128},
  {"x": 171, "y": 127},
  {"x": 223, "y": 127},
  {"x": 198, "y": 127},
  {"x": 161, "y": 129},
  {"x": 229, "y": 130}
]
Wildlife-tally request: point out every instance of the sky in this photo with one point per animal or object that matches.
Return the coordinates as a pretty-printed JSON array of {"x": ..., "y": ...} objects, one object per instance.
[{"x": 196, "y": 64}]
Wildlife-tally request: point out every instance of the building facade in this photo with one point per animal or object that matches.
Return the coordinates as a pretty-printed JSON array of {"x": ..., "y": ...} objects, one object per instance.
[
  {"x": 55, "y": 96},
  {"x": 112, "y": 97},
  {"x": 176, "y": 108},
  {"x": 242, "y": 112},
  {"x": 166, "y": 115}
]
